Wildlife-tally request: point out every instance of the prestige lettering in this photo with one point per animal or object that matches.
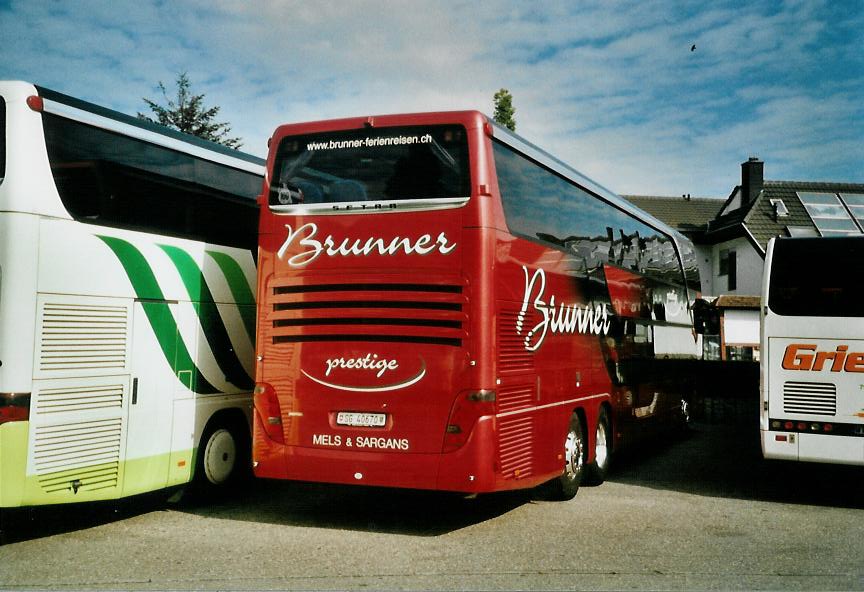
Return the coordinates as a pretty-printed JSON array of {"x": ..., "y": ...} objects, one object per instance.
[
  {"x": 807, "y": 357},
  {"x": 306, "y": 237},
  {"x": 562, "y": 318},
  {"x": 370, "y": 362}
]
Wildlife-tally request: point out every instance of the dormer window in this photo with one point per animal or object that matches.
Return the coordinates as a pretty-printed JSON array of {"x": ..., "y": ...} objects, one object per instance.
[{"x": 780, "y": 209}]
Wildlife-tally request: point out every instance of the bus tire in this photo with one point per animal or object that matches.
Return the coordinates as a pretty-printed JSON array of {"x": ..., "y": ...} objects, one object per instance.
[
  {"x": 220, "y": 461},
  {"x": 565, "y": 487},
  {"x": 596, "y": 471},
  {"x": 684, "y": 417}
]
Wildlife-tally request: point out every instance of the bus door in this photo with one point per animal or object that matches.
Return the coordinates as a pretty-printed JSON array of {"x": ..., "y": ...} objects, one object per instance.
[{"x": 151, "y": 393}]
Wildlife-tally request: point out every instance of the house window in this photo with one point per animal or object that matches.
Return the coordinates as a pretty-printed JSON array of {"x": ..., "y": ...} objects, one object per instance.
[
  {"x": 780, "y": 209},
  {"x": 729, "y": 268},
  {"x": 732, "y": 268}
]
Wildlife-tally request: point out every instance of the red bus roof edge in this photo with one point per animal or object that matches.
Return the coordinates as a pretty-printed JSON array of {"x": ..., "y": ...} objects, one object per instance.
[{"x": 470, "y": 119}]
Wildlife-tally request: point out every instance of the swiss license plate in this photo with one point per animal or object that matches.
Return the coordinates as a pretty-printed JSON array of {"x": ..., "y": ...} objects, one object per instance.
[{"x": 365, "y": 420}]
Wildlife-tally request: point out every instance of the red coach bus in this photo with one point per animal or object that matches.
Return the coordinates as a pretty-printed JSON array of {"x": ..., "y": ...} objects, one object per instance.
[{"x": 442, "y": 305}]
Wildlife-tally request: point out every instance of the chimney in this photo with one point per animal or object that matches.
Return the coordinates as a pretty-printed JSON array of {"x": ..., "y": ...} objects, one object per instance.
[{"x": 752, "y": 179}]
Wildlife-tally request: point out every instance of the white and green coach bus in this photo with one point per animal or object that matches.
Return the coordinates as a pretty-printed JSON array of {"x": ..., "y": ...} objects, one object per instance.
[{"x": 127, "y": 308}]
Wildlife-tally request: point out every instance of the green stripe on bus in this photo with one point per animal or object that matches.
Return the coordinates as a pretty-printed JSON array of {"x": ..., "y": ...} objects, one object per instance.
[
  {"x": 158, "y": 313},
  {"x": 243, "y": 295},
  {"x": 209, "y": 317}
]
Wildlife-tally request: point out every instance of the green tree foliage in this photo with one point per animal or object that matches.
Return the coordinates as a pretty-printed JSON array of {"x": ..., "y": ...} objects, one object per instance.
[
  {"x": 188, "y": 114},
  {"x": 505, "y": 113}
]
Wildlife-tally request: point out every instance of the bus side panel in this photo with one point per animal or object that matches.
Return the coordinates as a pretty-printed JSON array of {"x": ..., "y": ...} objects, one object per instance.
[
  {"x": 831, "y": 449},
  {"x": 547, "y": 373},
  {"x": 118, "y": 377},
  {"x": 18, "y": 264},
  {"x": 13, "y": 462}
]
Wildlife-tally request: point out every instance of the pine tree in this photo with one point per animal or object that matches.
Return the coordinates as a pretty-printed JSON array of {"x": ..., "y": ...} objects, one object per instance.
[
  {"x": 505, "y": 113},
  {"x": 188, "y": 114}
]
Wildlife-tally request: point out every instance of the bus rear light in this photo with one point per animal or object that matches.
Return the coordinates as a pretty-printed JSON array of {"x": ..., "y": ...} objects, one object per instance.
[
  {"x": 36, "y": 103},
  {"x": 813, "y": 427},
  {"x": 484, "y": 396},
  {"x": 14, "y": 407},
  {"x": 467, "y": 409},
  {"x": 267, "y": 407},
  {"x": 781, "y": 438}
]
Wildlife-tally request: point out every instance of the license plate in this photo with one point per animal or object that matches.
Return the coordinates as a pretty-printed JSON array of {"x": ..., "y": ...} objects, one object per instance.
[{"x": 364, "y": 420}]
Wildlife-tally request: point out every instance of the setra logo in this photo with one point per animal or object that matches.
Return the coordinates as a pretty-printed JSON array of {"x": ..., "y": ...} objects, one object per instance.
[{"x": 806, "y": 356}]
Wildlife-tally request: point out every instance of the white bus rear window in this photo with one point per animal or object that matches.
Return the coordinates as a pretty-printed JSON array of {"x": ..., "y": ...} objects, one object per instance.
[{"x": 818, "y": 277}]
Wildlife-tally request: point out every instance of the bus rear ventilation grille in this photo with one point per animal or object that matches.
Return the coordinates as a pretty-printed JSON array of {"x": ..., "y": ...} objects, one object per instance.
[
  {"x": 810, "y": 398},
  {"x": 385, "y": 287},
  {"x": 369, "y": 311}
]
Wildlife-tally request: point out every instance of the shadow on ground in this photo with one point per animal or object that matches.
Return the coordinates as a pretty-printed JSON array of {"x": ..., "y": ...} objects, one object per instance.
[
  {"x": 720, "y": 461},
  {"x": 726, "y": 461},
  {"x": 20, "y": 524},
  {"x": 371, "y": 509}
]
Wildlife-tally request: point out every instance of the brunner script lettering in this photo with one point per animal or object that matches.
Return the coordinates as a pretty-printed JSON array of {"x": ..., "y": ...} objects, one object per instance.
[
  {"x": 306, "y": 237},
  {"x": 556, "y": 318}
]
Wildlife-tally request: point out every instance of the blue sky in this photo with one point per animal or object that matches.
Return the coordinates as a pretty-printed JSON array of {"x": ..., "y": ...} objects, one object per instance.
[{"x": 610, "y": 87}]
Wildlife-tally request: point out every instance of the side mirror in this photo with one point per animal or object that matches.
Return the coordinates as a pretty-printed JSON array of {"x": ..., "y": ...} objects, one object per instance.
[{"x": 706, "y": 318}]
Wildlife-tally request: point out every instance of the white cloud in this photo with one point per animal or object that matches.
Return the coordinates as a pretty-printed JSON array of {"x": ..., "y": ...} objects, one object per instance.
[{"x": 610, "y": 87}]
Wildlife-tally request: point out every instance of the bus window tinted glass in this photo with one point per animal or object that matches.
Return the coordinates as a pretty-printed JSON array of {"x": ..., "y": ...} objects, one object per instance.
[
  {"x": 818, "y": 277},
  {"x": 113, "y": 180},
  {"x": 541, "y": 206},
  {"x": 373, "y": 164},
  {"x": 2, "y": 139}
]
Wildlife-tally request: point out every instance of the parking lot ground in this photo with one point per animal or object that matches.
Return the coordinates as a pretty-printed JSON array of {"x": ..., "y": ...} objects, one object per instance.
[{"x": 702, "y": 512}]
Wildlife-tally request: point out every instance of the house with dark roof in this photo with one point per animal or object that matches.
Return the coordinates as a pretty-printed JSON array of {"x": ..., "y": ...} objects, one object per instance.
[
  {"x": 731, "y": 238},
  {"x": 758, "y": 210}
]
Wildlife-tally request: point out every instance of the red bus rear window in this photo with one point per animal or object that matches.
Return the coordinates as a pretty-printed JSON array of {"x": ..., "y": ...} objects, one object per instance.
[{"x": 372, "y": 165}]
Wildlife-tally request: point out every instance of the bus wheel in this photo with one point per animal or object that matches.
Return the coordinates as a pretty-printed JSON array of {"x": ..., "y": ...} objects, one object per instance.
[
  {"x": 220, "y": 457},
  {"x": 685, "y": 415},
  {"x": 595, "y": 473},
  {"x": 566, "y": 486},
  {"x": 219, "y": 464}
]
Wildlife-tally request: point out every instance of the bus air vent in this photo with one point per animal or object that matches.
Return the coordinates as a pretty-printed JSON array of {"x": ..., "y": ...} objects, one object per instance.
[
  {"x": 85, "y": 453},
  {"x": 429, "y": 312},
  {"x": 809, "y": 398},
  {"x": 512, "y": 355},
  {"x": 82, "y": 337},
  {"x": 70, "y": 398},
  {"x": 515, "y": 436}
]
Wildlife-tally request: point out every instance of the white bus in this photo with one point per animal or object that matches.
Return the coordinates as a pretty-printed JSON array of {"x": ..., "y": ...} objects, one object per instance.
[
  {"x": 812, "y": 401},
  {"x": 127, "y": 306}
]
